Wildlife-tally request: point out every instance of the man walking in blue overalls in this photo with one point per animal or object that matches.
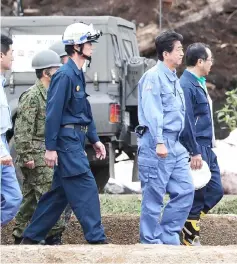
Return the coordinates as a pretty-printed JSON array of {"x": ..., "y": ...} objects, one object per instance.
[
  {"x": 11, "y": 195},
  {"x": 68, "y": 121},
  {"x": 162, "y": 160},
  {"x": 198, "y": 136}
]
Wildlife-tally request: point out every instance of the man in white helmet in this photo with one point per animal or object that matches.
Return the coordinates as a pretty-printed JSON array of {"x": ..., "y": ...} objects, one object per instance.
[
  {"x": 30, "y": 145},
  {"x": 68, "y": 122}
]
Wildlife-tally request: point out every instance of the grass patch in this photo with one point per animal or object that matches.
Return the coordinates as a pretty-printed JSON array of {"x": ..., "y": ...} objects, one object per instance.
[
  {"x": 228, "y": 205},
  {"x": 120, "y": 204},
  {"x": 131, "y": 204}
]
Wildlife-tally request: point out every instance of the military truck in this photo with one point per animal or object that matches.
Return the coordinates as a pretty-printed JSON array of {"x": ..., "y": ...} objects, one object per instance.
[{"x": 111, "y": 79}]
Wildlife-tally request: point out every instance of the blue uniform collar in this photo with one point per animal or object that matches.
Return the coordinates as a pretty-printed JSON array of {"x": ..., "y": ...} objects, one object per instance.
[
  {"x": 171, "y": 75},
  {"x": 72, "y": 64},
  {"x": 191, "y": 78}
]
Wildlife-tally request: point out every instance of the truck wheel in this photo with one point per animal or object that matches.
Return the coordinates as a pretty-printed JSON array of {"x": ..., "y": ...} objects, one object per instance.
[
  {"x": 101, "y": 174},
  {"x": 19, "y": 174}
]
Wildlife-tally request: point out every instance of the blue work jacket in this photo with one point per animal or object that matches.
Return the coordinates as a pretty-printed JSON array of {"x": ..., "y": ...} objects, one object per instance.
[
  {"x": 161, "y": 105},
  {"x": 67, "y": 104},
  {"x": 198, "y": 119}
]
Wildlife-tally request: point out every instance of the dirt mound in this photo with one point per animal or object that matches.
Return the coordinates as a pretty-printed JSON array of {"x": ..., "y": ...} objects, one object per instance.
[{"x": 124, "y": 229}]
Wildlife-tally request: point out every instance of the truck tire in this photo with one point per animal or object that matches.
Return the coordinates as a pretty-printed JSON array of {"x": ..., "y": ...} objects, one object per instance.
[
  {"x": 19, "y": 174},
  {"x": 101, "y": 174}
]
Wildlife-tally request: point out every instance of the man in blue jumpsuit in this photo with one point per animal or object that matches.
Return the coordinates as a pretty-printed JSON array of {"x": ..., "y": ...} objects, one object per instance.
[
  {"x": 11, "y": 195},
  {"x": 68, "y": 121},
  {"x": 162, "y": 160},
  {"x": 198, "y": 136}
]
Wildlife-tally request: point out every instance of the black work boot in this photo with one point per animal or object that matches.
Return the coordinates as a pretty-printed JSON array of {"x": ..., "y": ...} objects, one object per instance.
[
  {"x": 28, "y": 241},
  {"x": 17, "y": 240},
  {"x": 54, "y": 240},
  {"x": 189, "y": 235},
  {"x": 101, "y": 242}
]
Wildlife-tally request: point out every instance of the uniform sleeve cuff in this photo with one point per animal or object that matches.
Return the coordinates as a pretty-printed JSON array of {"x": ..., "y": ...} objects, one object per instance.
[
  {"x": 195, "y": 151},
  {"x": 159, "y": 140},
  {"x": 93, "y": 138},
  {"x": 51, "y": 145},
  {"x": 3, "y": 152}
]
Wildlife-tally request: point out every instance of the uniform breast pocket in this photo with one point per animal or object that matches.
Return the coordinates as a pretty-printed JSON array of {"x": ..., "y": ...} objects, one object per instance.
[
  {"x": 168, "y": 101},
  {"x": 78, "y": 102},
  {"x": 202, "y": 104},
  {"x": 40, "y": 124}
]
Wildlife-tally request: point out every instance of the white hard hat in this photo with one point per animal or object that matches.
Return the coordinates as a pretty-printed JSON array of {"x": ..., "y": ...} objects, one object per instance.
[
  {"x": 80, "y": 33},
  {"x": 201, "y": 177}
]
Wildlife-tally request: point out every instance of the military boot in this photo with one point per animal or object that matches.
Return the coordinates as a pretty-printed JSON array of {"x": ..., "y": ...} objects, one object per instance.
[
  {"x": 189, "y": 235},
  {"x": 54, "y": 240},
  {"x": 203, "y": 214},
  {"x": 17, "y": 240}
]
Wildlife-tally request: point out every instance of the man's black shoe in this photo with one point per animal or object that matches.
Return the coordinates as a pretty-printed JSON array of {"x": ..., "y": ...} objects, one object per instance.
[
  {"x": 28, "y": 241},
  {"x": 54, "y": 240},
  {"x": 102, "y": 242}
]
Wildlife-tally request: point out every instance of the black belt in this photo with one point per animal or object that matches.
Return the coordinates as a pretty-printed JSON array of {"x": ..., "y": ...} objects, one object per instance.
[{"x": 77, "y": 127}]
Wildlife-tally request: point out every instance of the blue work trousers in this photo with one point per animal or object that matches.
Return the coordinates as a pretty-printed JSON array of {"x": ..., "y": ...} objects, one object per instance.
[
  {"x": 207, "y": 197},
  {"x": 11, "y": 195},
  {"x": 160, "y": 176},
  {"x": 80, "y": 191}
]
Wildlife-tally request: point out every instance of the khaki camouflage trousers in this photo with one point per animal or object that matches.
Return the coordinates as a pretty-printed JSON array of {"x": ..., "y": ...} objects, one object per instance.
[{"x": 34, "y": 186}]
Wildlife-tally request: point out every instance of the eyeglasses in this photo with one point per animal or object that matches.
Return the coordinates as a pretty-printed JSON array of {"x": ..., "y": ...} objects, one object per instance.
[{"x": 212, "y": 60}]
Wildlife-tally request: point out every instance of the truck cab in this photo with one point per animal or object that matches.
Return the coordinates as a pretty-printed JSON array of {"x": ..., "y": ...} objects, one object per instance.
[{"x": 111, "y": 80}]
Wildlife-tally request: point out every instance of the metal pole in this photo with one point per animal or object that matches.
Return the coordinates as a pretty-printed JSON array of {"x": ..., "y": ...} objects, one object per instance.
[{"x": 160, "y": 23}]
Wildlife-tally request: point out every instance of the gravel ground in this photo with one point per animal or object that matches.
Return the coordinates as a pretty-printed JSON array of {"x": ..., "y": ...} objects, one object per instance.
[
  {"x": 124, "y": 230},
  {"x": 218, "y": 232}
]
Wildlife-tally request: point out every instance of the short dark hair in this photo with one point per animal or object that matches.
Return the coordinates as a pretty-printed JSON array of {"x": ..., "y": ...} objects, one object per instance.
[
  {"x": 5, "y": 43},
  {"x": 195, "y": 52},
  {"x": 69, "y": 50},
  {"x": 165, "y": 42},
  {"x": 39, "y": 73}
]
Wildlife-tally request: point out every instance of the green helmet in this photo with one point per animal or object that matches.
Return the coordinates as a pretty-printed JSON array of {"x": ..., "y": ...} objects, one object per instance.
[
  {"x": 59, "y": 48},
  {"x": 46, "y": 59}
]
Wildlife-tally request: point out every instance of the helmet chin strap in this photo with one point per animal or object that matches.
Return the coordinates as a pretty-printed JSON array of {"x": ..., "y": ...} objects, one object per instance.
[{"x": 80, "y": 52}]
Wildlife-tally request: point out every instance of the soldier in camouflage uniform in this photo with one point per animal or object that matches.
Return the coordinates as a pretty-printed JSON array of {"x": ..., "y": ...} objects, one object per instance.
[{"x": 30, "y": 145}]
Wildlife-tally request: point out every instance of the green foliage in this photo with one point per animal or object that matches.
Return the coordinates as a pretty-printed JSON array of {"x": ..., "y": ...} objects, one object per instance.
[
  {"x": 228, "y": 114},
  {"x": 227, "y": 205}
]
